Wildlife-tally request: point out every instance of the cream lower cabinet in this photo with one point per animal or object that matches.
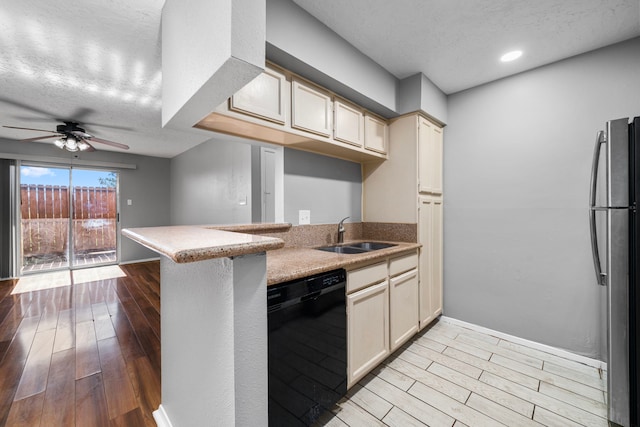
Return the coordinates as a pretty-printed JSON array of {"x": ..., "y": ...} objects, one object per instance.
[
  {"x": 367, "y": 330},
  {"x": 430, "y": 235},
  {"x": 403, "y": 299},
  {"x": 382, "y": 312}
]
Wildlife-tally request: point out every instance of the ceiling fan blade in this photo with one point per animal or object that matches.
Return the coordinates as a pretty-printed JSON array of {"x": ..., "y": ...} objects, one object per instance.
[
  {"x": 38, "y": 138},
  {"x": 91, "y": 147},
  {"x": 102, "y": 125},
  {"x": 37, "y": 130},
  {"x": 82, "y": 135},
  {"x": 111, "y": 143}
]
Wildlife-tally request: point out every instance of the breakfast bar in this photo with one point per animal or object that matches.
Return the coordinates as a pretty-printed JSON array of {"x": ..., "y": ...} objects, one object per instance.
[{"x": 213, "y": 323}]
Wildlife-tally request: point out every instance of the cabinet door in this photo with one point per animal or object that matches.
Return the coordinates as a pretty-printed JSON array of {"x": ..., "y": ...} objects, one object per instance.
[
  {"x": 429, "y": 157},
  {"x": 425, "y": 221},
  {"x": 311, "y": 109},
  {"x": 367, "y": 330},
  {"x": 376, "y": 134},
  {"x": 349, "y": 123},
  {"x": 263, "y": 97},
  {"x": 437, "y": 259},
  {"x": 430, "y": 270},
  {"x": 436, "y": 170},
  {"x": 403, "y": 307}
]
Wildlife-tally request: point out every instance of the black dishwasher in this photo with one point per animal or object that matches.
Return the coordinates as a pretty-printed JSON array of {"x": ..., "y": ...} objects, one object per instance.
[{"x": 307, "y": 348}]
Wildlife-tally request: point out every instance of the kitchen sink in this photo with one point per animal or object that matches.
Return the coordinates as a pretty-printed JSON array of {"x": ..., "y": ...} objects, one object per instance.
[
  {"x": 338, "y": 249},
  {"x": 371, "y": 246},
  {"x": 356, "y": 248}
]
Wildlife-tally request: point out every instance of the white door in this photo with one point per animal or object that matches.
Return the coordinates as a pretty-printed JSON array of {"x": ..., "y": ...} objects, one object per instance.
[{"x": 268, "y": 169}]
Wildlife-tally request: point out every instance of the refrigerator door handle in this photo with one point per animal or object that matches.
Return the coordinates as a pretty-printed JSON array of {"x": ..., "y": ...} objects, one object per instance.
[{"x": 600, "y": 276}]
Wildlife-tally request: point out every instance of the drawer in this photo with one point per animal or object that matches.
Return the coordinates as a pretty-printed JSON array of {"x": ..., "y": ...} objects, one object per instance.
[
  {"x": 403, "y": 263},
  {"x": 365, "y": 276}
]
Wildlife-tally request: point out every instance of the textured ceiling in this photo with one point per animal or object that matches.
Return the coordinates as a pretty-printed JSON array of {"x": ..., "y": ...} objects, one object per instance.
[
  {"x": 98, "y": 61},
  {"x": 458, "y": 43}
]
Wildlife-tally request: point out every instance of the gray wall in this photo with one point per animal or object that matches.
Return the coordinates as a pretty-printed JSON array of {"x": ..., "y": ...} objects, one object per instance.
[
  {"x": 417, "y": 92},
  {"x": 211, "y": 184},
  {"x": 299, "y": 42},
  {"x": 330, "y": 188},
  {"x": 147, "y": 186},
  {"x": 517, "y": 160}
]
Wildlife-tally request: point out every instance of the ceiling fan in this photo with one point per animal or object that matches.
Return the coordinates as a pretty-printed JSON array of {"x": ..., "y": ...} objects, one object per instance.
[{"x": 71, "y": 137}]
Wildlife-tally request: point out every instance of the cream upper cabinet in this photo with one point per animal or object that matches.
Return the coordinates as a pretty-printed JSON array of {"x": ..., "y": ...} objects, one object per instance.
[
  {"x": 310, "y": 108},
  {"x": 403, "y": 299},
  {"x": 430, "y": 235},
  {"x": 280, "y": 107},
  {"x": 367, "y": 330},
  {"x": 348, "y": 123},
  {"x": 376, "y": 134},
  {"x": 263, "y": 97},
  {"x": 429, "y": 157}
]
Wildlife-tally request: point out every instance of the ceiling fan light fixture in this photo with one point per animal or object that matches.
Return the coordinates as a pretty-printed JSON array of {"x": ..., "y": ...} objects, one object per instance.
[
  {"x": 59, "y": 143},
  {"x": 83, "y": 146},
  {"x": 72, "y": 144}
]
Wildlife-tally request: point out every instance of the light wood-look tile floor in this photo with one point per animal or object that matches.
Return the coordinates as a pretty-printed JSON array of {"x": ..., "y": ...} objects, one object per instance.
[
  {"x": 452, "y": 376},
  {"x": 88, "y": 353}
]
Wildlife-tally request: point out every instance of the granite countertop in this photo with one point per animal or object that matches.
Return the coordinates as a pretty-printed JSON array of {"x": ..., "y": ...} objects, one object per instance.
[
  {"x": 293, "y": 263},
  {"x": 196, "y": 243}
]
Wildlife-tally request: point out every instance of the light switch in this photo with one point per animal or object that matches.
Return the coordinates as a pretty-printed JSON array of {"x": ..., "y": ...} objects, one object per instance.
[
  {"x": 129, "y": 202},
  {"x": 304, "y": 217}
]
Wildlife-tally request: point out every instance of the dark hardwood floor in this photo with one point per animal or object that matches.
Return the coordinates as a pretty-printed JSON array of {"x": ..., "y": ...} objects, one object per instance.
[{"x": 87, "y": 354}]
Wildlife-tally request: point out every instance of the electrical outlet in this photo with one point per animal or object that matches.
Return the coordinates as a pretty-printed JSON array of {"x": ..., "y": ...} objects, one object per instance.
[{"x": 304, "y": 217}]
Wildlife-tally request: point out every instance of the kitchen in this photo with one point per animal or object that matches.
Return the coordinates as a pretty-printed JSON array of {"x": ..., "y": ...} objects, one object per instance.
[{"x": 516, "y": 250}]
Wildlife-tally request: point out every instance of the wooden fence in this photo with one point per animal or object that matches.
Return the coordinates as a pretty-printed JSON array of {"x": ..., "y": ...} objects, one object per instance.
[{"x": 45, "y": 219}]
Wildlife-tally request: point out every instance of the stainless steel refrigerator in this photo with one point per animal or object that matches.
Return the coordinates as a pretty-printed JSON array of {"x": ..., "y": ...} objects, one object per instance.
[{"x": 615, "y": 241}]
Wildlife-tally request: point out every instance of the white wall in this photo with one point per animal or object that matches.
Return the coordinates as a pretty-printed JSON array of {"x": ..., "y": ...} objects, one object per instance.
[
  {"x": 517, "y": 161},
  {"x": 210, "y": 50},
  {"x": 211, "y": 184}
]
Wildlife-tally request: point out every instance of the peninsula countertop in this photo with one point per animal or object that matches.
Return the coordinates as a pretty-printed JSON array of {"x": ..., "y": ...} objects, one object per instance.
[
  {"x": 189, "y": 243},
  {"x": 296, "y": 262}
]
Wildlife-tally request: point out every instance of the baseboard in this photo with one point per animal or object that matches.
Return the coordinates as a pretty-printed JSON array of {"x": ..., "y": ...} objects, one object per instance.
[
  {"x": 162, "y": 420},
  {"x": 137, "y": 261},
  {"x": 535, "y": 345}
]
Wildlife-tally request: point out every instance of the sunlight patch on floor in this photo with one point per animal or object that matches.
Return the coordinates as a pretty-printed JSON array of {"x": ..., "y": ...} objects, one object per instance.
[
  {"x": 38, "y": 282},
  {"x": 97, "y": 273}
]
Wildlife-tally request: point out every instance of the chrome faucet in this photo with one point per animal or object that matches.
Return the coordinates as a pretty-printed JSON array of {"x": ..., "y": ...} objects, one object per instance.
[{"x": 341, "y": 230}]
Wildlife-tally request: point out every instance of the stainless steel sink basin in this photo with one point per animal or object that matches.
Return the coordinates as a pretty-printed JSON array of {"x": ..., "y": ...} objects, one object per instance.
[
  {"x": 356, "y": 248},
  {"x": 342, "y": 249},
  {"x": 371, "y": 246}
]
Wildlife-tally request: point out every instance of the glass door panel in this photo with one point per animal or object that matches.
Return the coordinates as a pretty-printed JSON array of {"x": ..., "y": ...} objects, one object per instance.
[
  {"x": 44, "y": 218},
  {"x": 94, "y": 225}
]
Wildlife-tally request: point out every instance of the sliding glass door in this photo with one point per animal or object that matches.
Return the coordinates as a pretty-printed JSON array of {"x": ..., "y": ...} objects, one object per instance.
[
  {"x": 68, "y": 217},
  {"x": 94, "y": 213}
]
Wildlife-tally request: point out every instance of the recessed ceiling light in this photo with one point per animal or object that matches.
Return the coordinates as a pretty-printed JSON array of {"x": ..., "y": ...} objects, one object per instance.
[{"x": 510, "y": 56}]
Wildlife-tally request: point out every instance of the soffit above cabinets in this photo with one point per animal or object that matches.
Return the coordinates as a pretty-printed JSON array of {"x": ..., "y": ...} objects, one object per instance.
[{"x": 457, "y": 44}]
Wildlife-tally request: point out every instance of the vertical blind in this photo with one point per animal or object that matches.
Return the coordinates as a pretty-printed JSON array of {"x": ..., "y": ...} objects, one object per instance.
[{"x": 6, "y": 251}]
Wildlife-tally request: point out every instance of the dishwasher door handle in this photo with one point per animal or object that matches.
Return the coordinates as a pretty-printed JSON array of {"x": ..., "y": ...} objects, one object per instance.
[{"x": 311, "y": 296}]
